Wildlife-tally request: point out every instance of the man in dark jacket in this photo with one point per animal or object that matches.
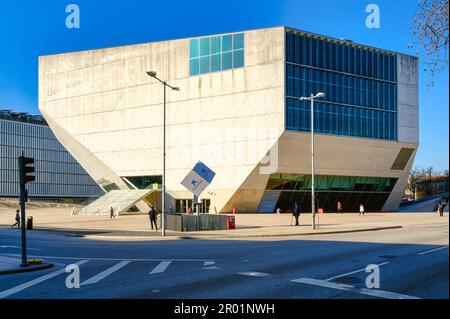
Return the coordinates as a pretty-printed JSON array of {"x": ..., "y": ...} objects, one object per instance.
[
  {"x": 296, "y": 213},
  {"x": 152, "y": 216},
  {"x": 17, "y": 220}
]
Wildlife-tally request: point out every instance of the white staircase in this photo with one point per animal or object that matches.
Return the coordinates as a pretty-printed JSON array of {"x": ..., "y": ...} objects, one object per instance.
[{"x": 119, "y": 200}]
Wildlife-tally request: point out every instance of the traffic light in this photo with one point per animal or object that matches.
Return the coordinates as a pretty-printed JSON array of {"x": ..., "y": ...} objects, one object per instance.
[{"x": 25, "y": 170}]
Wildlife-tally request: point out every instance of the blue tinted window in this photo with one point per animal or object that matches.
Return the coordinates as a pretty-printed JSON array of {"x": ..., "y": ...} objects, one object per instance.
[
  {"x": 213, "y": 54},
  {"x": 238, "y": 41},
  {"x": 194, "y": 48},
  {"x": 205, "y": 65},
  {"x": 238, "y": 59},
  {"x": 216, "y": 64},
  {"x": 227, "y": 43},
  {"x": 194, "y": 67},
  {"x": 215, "y": 45},
  {"x": 227, "y": 60},
  {"x": 205, "y": 46},
  {"x": 361, "y": 93}
]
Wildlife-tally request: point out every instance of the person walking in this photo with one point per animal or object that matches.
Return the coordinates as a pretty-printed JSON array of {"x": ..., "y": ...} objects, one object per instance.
[
  {"x": 17, "y": 220},
  {"x": 296, "y": 213},
  {"x": 361, "y": 210},
  {"x": 278, "y": 211},
  {"x": 152, "y": 216},
  {"x": 111, "y": 213},
  {"x": 440, "y": 209},
  {"x": 339, "y": 208}
]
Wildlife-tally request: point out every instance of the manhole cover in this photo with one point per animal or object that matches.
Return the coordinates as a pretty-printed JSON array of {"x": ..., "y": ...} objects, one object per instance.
[
  {"x": 348, "y": 280},
  {"x": 388, "y": 257}
]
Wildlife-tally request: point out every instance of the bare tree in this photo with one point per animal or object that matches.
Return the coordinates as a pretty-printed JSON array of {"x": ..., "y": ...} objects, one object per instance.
[
  {"x": 431, "y": 33},
  {"x": 415, "y": 177}
]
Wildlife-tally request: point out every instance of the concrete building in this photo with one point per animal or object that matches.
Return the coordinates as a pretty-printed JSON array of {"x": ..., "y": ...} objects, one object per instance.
[
  {"x": 238, "y": 112},
  {"x": 58, "y": 175}
]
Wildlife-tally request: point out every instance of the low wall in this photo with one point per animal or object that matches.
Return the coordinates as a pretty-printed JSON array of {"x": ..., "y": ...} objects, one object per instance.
[{"x": 185, "y": 223}]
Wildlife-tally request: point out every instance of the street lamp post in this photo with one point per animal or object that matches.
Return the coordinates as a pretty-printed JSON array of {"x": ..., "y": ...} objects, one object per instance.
[
  {"x": 163, "y": 201},
  {"x": 313, "y": 190}
]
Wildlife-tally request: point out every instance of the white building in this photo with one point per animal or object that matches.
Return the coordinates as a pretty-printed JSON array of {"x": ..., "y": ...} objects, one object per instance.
[{"x": 238, "y": 112}]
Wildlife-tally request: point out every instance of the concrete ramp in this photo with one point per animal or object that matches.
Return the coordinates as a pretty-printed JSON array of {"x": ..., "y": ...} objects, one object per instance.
[
  {"x": 422, "y": 207},
  {"x": 119, "y": 200}
]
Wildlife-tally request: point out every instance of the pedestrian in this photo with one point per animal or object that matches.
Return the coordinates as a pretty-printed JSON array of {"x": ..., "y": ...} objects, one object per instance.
[
  {"x": 111, "y": 213},
  {"x": 279, "y": 211},
  {"x": 441, "y": 209},
  {"x": 17, "y": 220},
  {"x": 152, "y": 216},
  {"x": 296, "y": 213},
  {"x": 339, "y": 208},
  {"x": 361, "y": 210}
]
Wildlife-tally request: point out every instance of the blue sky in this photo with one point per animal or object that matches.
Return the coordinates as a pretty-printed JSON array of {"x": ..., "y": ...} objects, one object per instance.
[{"x": 29, "y": 29}]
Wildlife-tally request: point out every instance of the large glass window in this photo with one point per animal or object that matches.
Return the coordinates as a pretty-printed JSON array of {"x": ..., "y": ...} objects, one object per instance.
[
  {"x": 350, "y": 191},
  {"x": 359, "y": 84},
  {"x": 217, "y": 53}
]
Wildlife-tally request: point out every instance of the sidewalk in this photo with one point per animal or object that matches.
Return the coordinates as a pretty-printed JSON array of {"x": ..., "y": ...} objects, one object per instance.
[
  {"x": 10, "y": 265},
  {"x": 60, "y": 221}
]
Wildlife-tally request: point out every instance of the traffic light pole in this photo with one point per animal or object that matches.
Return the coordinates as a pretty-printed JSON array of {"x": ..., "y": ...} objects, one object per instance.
[
  {"x": 24, "y": 178},
  {"x": 23, "y": 226}
]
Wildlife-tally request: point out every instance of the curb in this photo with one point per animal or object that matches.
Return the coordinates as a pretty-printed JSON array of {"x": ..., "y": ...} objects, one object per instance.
[
  {"x": 188, "y": 237},
  {"x": 26, "y": 269}
]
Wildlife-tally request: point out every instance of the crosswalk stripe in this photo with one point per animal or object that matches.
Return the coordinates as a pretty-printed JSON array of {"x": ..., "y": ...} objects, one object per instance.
[
  {"x": 432, "y": 250},
  {"x": 106, "y": 273},
  {"x": 354, "y": 272},
  {"x": 343, "y": 287},
  {"x": 323, "y": 283},
  {"x": 209, "y": 263},
  {"x": 254, "y": 274},
  {"x": 162, "y": 266},
  {"x": 36, "y": 281}
]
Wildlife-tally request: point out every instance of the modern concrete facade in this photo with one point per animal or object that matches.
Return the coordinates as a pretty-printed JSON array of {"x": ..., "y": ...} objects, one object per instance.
[
  {"x": 233, "y": 116},
  {"x": 58, "y": 175}
]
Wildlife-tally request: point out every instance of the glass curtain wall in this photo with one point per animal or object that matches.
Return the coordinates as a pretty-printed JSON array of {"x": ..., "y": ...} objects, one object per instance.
[
  {"x": 351, "y": 191},
  {"x": 360, "y": 85}
]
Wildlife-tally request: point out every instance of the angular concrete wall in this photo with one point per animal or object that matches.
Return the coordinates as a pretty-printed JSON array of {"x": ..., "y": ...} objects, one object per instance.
[
  {"x": 106, "y": 110},
  {"x": 408, "y": 99}
]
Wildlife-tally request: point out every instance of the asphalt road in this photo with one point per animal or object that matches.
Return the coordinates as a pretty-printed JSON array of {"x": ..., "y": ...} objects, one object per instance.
[{"x": 413, "y": 264}]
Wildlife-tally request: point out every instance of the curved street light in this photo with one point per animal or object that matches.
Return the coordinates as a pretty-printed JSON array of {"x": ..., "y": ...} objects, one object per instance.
[{"x": 153, "y": 74}]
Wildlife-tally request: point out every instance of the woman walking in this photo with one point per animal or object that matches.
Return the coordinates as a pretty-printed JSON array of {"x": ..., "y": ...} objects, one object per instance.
[{"x": 361, "y": 210}]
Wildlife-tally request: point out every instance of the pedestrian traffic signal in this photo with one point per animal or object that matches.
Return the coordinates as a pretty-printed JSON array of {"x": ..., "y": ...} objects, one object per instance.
[{"x": 25, "y": 170}]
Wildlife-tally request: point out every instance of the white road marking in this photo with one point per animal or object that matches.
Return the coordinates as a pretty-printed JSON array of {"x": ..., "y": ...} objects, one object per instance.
[
  {"x": 36, "y": 281},
  {"x": 17, "y": 247},
  {"x": 432, "y": 250},
  {"x": 111, "y": 259},
  {"x": 254, "y": 274},
  {"x": 211, "y": 268},
  {"x": 209, "y": 263},
  {"x": 364, "y": 291},
  {"x": 106, "y": 273},
  {"x": 323, "y": 283},
  {"x": 384, "y": 294},
  {"x": 162, "y": 266},
  {"x": 354, "y": 272}
]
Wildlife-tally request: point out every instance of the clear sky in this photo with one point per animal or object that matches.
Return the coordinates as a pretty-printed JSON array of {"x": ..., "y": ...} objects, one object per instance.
[{"x": 31, "y": 28}]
